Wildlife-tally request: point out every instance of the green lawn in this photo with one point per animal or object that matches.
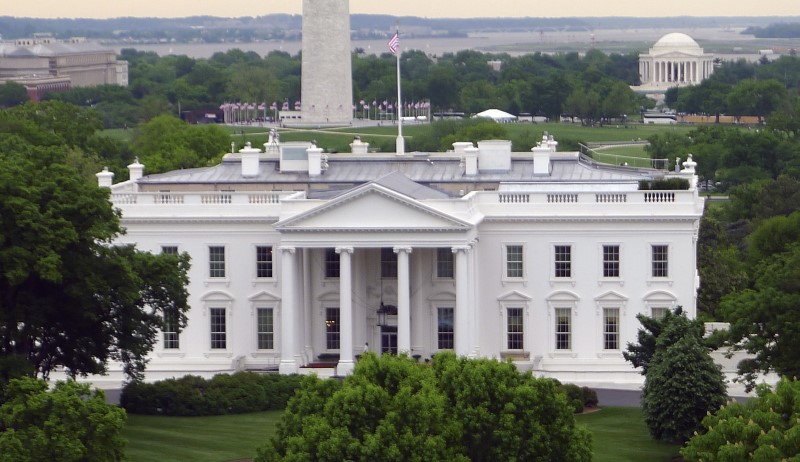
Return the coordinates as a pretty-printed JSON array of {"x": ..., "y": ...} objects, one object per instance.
[
  {"x": 619, "y": 435},
  {"x": 197, "y": 439}
]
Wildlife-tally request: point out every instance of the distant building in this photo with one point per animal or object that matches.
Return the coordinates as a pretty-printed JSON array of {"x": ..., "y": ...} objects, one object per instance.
[
  {"x": 42, "y": 64},
  {"x": 675, "y": 60}
]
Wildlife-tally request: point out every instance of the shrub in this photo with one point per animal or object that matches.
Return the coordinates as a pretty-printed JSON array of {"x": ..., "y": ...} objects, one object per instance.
[
  {"x": 665, "y": 184},
  {"x": 223, "y": 394},
  {"x": 579, "y": 397}
]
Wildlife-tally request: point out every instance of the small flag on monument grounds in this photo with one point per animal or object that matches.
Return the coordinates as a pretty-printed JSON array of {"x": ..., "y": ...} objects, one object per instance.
[{"x": 394, "y": 42}]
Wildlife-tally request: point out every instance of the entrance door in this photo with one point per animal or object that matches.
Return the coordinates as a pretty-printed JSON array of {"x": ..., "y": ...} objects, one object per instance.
[{"x": 389, "y": 339}]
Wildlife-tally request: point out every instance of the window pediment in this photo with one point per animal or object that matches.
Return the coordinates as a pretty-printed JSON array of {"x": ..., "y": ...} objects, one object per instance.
[{"x": 514, "y": 296}]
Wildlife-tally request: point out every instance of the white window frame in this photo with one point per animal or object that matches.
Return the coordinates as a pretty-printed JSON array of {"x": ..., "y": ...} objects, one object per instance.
[
  {"x": 652, "y": 261},
  {"x": 436, "y": 261},
  {"x": 659, "y": 299},
  {"x": 514, "y": 299},
  {"x": 256, "y": 262},
  {"x": 557, "y": 312},
  {"x": 602, "y": 259},
  {"x": 325, "y": 253},
  {"x": 325, "y": 327},
  {"x": 563, "y": 299},
  {"x": 610, "y": 300},
  {"x": 163, "y": 247},
  {"x": 218, "y": 299},
  {"x": 171, "y": 333},
  {"x": 258, "y": 309},
  {"x": 226, "y": 276},
  {"x": 606, "y": 332},
  {"x": 553, "y": 269},
  {"x": 506, "y": 262}
]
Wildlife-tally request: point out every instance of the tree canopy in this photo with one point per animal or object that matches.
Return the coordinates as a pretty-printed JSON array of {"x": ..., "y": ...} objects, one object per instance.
[
  {"x": 69, "y": 297},
  {"x": 392, "y": 408}
]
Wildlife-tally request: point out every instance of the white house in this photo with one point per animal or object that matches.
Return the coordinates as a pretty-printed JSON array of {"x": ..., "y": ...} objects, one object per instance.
[{"x": 302, "y": 260}]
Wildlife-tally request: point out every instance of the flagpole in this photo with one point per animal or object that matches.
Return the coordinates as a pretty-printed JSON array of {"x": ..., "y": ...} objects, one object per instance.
[{"x": 401, "y": 145}]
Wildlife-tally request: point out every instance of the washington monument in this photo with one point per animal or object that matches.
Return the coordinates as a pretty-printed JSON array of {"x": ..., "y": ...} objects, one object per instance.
[{"x": 327, "y": 76}]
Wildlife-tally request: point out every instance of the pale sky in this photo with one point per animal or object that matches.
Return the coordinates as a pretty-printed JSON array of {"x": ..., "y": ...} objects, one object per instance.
[{"x": 422, "y": 8}]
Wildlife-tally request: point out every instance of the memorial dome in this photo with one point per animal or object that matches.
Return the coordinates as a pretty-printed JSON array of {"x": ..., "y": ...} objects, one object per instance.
[{"x": 676, "y": 40}]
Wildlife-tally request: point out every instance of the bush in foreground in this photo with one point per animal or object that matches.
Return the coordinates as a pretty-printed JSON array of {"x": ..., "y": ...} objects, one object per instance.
[
  {"x": 392, "y": 408},
  {"x": 763, "y": 428},
  {"x": 71, "y": 423}
]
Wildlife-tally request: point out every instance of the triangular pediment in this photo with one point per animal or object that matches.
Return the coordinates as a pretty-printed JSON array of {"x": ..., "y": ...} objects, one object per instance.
[{"x": 373, "y": 207}]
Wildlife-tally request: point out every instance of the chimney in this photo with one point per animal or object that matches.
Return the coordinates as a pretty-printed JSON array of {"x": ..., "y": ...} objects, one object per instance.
[
  {"x": 135, "y": 170},
  {"x": 314, "y": 161},
  {"x": 471, "y": 160},
  {"x": 105, "y": 178},
  {"x": 250, "y": 161},
  {"x": 494, "y": 155},
  {"x": 541, "y": 155}
]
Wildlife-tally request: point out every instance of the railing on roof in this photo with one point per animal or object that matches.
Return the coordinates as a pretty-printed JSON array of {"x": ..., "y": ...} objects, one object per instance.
[
  {"x": 593, "y": 157},
  {"x": 200, "y": 198},
  {"x": 586, "y": 197}
]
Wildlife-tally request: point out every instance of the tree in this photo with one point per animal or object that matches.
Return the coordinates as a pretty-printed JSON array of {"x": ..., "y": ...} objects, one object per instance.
[
  {"x": 167, "y": 143},
  {"x": 12, "y": 94},
  {"x": 682, "y": 383},
  {"x": 71, "y": 423},
  {"x": 70, "y": 298},
  {"x": 764, "y": 318},
  {"x": 392, "y": 408},
  {"x": 762, "y": 428}
]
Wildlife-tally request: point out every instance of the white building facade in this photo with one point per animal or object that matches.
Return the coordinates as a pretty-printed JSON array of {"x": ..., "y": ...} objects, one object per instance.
[{"x": 301, "y": 262}]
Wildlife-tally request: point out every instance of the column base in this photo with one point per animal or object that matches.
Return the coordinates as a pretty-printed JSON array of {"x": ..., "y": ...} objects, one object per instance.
[
  {"x": 288, "y": 366},
  {"x": 345, "y": 367}
]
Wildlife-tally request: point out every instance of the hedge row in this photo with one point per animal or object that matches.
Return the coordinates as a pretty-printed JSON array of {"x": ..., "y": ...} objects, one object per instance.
[{"x": 223, "y": 394}]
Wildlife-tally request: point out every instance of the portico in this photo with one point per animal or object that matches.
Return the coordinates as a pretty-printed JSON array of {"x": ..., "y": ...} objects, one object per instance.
[
  {"x": 675, "y": 60},
  {"x": 370, "y": 265}
]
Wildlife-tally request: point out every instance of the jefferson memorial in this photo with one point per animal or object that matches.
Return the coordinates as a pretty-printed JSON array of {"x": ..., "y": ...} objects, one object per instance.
[{"x": 675, "y": 60}]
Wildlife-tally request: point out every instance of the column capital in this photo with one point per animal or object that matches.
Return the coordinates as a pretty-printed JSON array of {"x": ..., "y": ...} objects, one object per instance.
[
  {"x": 341, "y": 250},
  {"x": 461, "y": 248},
  {"x": 405, "y": 249},
  {"x": 287, "y": 249}
]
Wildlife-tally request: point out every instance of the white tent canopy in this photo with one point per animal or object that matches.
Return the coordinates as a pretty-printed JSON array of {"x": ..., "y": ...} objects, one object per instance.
[{"x": 497, "y": 115}]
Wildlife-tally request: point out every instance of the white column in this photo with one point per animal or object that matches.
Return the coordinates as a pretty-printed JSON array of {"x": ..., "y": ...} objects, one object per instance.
[
  {"x": 462, "y": 314},
  {"x": 346, "y": 362},
  {"x": 289, "y": 363},
  {"x": 403, "y": 300}
]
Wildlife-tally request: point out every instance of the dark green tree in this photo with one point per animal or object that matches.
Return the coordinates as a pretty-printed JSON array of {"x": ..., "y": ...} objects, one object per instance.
[
  {"x": 69, "y": 423},
  {"x": 12, "y": 94},
  {"x": 69, "y": 298},
  {"x": 682, "y": 383}
]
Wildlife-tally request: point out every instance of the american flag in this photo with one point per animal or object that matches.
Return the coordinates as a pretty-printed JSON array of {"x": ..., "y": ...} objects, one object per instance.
[{"x": 394, "y": 42}]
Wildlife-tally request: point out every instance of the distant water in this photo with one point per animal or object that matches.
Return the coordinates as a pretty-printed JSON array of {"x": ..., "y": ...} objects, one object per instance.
[{"x": 517, "y": 42}]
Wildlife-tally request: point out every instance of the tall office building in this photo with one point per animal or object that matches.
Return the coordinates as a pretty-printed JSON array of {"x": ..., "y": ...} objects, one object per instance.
[{"x": 327, "y": 80}]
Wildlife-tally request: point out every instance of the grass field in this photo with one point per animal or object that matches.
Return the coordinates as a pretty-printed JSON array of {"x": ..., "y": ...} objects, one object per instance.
[
  {"x": 197, "y": 439},
  {"x": 619, "y": 435}
]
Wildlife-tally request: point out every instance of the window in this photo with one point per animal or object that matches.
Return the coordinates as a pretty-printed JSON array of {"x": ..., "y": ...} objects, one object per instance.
[
  {"x": 388, "y": 263},
  {"x": 445, "y": 268},
  {"x": 660, "y": 261},
  {"x": 515, "y": 329},
  {"x": 219, "y": 340},
  {"x": 169, "y": 250},
  {"x": 332, "y": 328},
  {"x": 445, "y": 329},
  {"x": 514, "y": 268},
  {"x": 263, "y": 261},
  {"x": 658, "y": 312},
  {"x": 331, "y": 263},
  {"x": 563, "y": 328},
  {"x": 563, "y": 261},
  {"x": 266, "y": 328},
  {"x": 216, "y": 261},
  {"x": 170, "y": 332},
  {"x": 610, "y": 261},
  {"x": 611, "y": 328}
]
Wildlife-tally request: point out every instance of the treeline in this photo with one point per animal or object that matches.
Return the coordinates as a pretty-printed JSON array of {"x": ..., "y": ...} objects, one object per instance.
[
  {"x": 594, "y": 87},
  {"x": 780, "y": 30}
]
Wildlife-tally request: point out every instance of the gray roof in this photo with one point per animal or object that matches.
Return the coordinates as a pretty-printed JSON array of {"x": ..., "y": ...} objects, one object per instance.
[
  {"x": 348, "y": 171},
  {"x": 11, "y": 50}
]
